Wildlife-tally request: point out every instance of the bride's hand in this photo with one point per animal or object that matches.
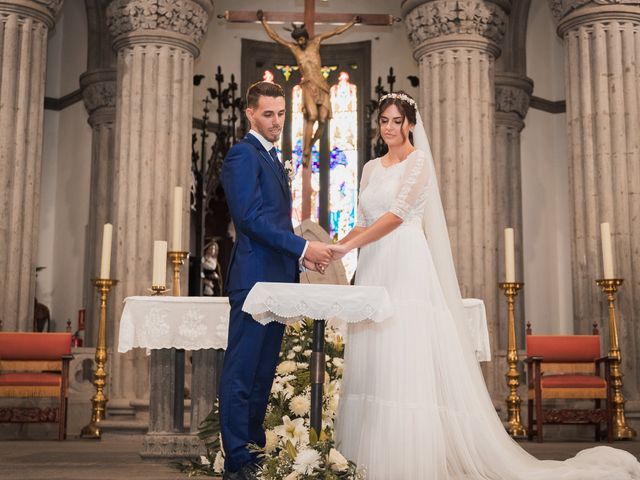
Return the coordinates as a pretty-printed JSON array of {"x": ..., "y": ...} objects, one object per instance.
[{"x": 338, "y": 251}]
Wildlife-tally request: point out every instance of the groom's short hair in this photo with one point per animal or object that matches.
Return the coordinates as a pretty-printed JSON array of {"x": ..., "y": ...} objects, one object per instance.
[{"x": 262, "y": 89}]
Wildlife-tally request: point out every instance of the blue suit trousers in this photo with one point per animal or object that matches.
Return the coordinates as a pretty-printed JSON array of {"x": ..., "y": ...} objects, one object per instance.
[{"x": 249, "y": 367}]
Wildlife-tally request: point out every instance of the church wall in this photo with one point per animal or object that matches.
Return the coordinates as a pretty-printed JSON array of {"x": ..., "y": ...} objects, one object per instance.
[
  {"x": 65, "y": 173},
  {"x": 545, "y": 184},
  {"x": 222, "y": 44}
]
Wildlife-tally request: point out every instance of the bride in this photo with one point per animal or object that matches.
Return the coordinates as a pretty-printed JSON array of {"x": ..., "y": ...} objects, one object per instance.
[{"x": 414, "y": 405}]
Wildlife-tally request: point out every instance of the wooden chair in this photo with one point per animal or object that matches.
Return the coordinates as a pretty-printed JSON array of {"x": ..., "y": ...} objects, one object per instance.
[
  {"x": 567, "y": 367},
  {"x": 35, "y": 365}
]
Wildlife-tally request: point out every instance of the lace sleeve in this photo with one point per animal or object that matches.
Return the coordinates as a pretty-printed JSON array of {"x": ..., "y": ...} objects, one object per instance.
[
  {"x": 413, "y": 187},
  {"x": 364, "y": 181}
]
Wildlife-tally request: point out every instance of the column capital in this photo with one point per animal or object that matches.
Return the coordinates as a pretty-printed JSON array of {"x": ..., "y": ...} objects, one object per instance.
[
  {"x": 513, "y": 94},
  {"x": 181, "y": 23},
  {"x": 441, "y": 24},
  {"x": 572, "y": 13},
  {"x": 99, "y": 93},
  {"x": 42, "y": 10}
]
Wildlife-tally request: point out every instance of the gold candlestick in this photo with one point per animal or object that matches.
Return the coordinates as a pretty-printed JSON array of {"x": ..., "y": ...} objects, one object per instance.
[
  {"x": 99, "y": 400},
  {"x": 177, "y": 260},
  {"x": 621, "y": 431},
  {"x": 158, "y": 290},
  {"x": 516, "y": 429}
]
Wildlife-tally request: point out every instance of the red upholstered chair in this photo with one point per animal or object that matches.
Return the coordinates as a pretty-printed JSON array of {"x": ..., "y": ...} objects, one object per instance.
[
  {"x": 567, "y": 367},
  {"x": 35, "y": 365}
]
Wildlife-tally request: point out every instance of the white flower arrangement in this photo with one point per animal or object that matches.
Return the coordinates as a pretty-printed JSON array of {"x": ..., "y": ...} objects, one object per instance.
[{"x": 292, "y": 450}]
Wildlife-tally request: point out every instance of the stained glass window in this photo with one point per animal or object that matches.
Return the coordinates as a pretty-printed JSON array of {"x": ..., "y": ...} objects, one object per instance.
[
  {"x": 268, "y": 76},
  {"x": 343, "y": 181}
]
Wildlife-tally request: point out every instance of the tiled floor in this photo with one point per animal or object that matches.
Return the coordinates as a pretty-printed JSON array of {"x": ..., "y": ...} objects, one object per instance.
[{"x": 116, "y": 457}]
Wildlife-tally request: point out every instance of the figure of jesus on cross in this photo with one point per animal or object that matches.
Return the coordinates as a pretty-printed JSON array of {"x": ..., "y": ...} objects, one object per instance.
[{"x": 316, "y": 96}]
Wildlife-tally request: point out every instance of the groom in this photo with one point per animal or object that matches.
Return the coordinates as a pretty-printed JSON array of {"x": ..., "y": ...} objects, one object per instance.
[{"x": 266, "y": 250}]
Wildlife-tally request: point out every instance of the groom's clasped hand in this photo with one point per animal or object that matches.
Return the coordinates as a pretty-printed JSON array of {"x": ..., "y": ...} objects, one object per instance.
[{"x": 319, "y": 255}]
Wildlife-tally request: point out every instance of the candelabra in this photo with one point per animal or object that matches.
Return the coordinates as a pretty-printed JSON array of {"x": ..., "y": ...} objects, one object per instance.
[
  {"x": 99, "y": 400},
  {"x": 177, "y": 260},
  {"x": 621, "y": 431},
  {"x": 516, "y": 429}
]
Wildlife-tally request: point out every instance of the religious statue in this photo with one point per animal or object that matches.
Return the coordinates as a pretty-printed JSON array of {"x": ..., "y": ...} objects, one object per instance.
[{"x": 316, "y": 96}]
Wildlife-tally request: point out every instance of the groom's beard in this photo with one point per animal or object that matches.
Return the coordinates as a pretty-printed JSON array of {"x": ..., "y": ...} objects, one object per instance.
[{"x": 273, "y": 134}]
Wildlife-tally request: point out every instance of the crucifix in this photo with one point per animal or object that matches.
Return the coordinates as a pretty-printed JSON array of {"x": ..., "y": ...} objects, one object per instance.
[{"x": 316, "y": 96}]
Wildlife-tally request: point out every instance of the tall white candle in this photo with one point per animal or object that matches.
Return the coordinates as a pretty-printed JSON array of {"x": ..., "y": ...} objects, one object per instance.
[
  {"x": 176, "y": 243},
  {"x": 105, "y": 259},
  {"x": 607, "y": 255},
  {"x": 509, "y": 256},
  {"x": 159, "y": 263}
]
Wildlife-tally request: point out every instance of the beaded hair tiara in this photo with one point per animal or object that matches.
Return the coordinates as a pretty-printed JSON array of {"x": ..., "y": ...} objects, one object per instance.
[{"x": 399, "y": 96}]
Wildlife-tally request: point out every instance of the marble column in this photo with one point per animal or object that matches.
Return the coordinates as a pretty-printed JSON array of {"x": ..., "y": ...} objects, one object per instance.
[
  {"x": 513, "y": 94},
  {"x": 602, "y": 78},
  {"x": 99, "y": 94},
  {"x": 24, "y": 26},
  {"x": 156, "y": 43},
  {"x": 456, "y": 44}
]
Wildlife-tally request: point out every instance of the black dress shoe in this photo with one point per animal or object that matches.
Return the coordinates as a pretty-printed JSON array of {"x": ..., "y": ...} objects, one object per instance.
[
  {"x": 249, "y": 471},
  {"x": 232, "y": 476}
]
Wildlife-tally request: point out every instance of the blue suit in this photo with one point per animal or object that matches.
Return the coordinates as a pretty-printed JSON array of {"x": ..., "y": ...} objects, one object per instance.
[{"x": 266, "y": 250}]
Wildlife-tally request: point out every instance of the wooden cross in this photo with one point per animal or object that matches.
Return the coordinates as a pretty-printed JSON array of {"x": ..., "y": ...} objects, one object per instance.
[{"x": 309, "y": 17}]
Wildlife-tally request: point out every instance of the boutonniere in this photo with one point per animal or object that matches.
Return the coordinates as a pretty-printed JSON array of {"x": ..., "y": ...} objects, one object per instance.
[{"x": 289, "y": 170}]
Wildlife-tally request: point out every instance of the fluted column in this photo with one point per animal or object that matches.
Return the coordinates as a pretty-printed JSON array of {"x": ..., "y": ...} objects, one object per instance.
[
  {"x": 99, "y": 94},
  {"x": 513, "y": 93},
  {"x": 456, "y": 44},
  {"x": 24, "y": 26},
  {"x": 156, "y": 43},
  {"x": 602, "y": 65}
]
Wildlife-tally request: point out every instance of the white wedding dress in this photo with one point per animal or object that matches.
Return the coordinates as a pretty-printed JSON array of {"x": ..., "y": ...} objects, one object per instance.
[{"x": 413, "y": 403}]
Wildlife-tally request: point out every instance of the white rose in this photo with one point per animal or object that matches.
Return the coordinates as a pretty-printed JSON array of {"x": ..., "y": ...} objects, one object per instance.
[
  {"x": 297, "y": 349},
  {"x": 337, "y": 461}
]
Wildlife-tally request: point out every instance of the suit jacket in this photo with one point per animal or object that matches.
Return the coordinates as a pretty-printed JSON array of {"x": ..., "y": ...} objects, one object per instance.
[{"x": 259, "y": 199}]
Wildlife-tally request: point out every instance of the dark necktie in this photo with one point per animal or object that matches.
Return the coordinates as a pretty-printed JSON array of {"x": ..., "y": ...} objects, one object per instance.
[{"x": 274, "y": 157}]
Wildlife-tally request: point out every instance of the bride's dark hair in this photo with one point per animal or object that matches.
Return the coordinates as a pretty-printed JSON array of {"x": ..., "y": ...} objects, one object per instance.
[{"x": 406, "y": 106}]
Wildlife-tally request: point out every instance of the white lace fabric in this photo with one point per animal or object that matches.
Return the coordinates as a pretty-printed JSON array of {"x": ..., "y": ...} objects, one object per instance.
[
  {"x": 189, "y": 323},
  {"x": 290, "y": 302}
]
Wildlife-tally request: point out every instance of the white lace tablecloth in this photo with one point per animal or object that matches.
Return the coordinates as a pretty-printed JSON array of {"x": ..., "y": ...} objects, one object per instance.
[
  {"x": 289, "y": 302},
  {"x": 190, "y": 323},
  {"x": 478, "y": 330}
]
